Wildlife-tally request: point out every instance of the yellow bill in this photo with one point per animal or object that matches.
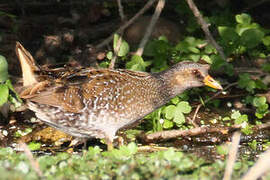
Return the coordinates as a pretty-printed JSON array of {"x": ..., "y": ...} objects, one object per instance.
[{"x": 209, "y": 81}]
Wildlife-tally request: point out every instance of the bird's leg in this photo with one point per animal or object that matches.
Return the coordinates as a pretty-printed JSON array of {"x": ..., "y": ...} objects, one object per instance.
[
  {"x": 109, "y": 143},
  {"x": 120, "y": 141}
]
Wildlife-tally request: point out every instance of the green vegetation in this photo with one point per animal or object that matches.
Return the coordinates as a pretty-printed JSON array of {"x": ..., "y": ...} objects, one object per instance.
[
  {"x": 121, "y": 163},
  {"x": 7, "y": 91},
  {"x": 241, "y": 39}
]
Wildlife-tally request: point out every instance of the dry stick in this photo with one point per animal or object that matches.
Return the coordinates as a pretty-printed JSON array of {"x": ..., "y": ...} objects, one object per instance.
[
  {"x": 218, "y": 93},
  {"x": 107, "y": 40},
  {"x": 121, "y": 10},
  {"x": 204, "y": 27},
  {"x": 164, "y": 135},
  {"x": 149, "y": 30},
  {"x": 232, "y": 155},
  {"x": 116, "y": 50},
  {"x": 261, "y": 166},
  {"x": 119, "y": 41},
  {"x": 33, "y": 162}
]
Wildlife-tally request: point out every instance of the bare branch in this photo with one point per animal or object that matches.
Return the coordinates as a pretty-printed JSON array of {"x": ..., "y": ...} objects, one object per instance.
[
  {"x": 149, "y": 30},
  {"x": 121, "y": 10},
  {"x": 107, "y": 41},
  {"x": 116, "y": 50},
  {"x": 33, "y": 162},
  {"x": 261, "y": 166},
  {"x": 164, "y": 135},
  {"x": 205, "y": 29},
  {"x": 232, "y": 156}
]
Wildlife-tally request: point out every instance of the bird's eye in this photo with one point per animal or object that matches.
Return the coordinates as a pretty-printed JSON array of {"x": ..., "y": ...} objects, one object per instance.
[{"x": 196, "y": 73}]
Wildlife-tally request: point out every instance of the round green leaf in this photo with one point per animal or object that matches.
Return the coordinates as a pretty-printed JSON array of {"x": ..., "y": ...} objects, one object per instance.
[
  {"x": 228, "y": 34},
  {"x": 169, "y": 111},
  {"x": 175, "y": 100},
  {"x": 258, "y": 101},
  {"x": 179, "y": 118},
  {"x": 243, "y": 18},
  {"x": 167, "y": 124},
  {"x": 266, "y": 40},
  {"x": 235, "y": 115},
  {"x": 3, "y": 94},
  {"x": 109, "y": 55},
  {"x": 136, "y": 63},
  {"x": 241, "y": 119},
  {"x": 184, "y": 107},
  {"x": 251, "y": 37}
]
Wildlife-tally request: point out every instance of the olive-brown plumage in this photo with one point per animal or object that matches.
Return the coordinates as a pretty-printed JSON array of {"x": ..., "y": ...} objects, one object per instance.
[{"x": 98, "y": 102}]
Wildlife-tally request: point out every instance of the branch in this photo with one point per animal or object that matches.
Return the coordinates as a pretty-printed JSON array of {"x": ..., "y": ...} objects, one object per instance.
[
  {"x": 261, "y": 166},
  {"x": 205, "y": 29},
  {"x": 232, "y": 156},
  {"x": 165, "y": 135},
  {"x": 152, "y": 24},
  {"x": 109, "y": 39}
]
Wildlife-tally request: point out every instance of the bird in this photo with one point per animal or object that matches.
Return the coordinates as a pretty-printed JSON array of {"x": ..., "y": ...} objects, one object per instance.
[{"x": 97, "y": 102}]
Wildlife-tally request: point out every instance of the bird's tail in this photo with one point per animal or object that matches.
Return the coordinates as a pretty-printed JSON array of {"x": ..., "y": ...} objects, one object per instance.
[{"x": 28, "y": 65}]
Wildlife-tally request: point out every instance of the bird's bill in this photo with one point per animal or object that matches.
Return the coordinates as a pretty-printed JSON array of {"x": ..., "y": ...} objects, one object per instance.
[{"x": 209, "y": 81}]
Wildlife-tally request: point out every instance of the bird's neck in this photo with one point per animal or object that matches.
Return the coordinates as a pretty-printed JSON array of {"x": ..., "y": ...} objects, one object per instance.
[{"x": 168, "y": 87}]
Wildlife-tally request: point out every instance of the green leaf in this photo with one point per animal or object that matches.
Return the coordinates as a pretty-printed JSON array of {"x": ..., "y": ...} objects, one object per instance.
[
  {"x": 259, "y": 115},
  {"x": 222, "y": 149},
  {"x": 207, "y": 59},
  {"x": 175, "y": 100},
  {"x": 124, "y": 47},
  {"x": 109, "y": 55},
  {"x": 266, "y": 40},
  {"x": 258, "y": 101},
  {"x": 235, "y": 115},
  {"x": 209, "y": 49},
  {"x": 33, "y": 146},
  {"x": 169, "y": 111},
  {"x": 253, "y": 145},
  {"x": 3, "y": 69},
  {"x": 243, "y": 18},
  {"x": 263, "y": 108},
  {"x": 137, "y": 63},
  {"x": 179, "y": 118},
  {"x": 194, "y": 57},
  {"x": 247, "y": 83},
  {"x": 241, "y": 119},
  {"x": 228, "y": 34},
  {"x": 167, "y": 124},
  {"x": 3, "y": 94},
  {"x": 183, "y": 107},
  {"x": 251, "y": 38},
  {"x": 194, "y": 50}
]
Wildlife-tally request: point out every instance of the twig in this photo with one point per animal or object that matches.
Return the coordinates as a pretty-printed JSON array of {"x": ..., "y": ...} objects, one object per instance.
[
  {"x": 149, "y": 30},
  {"x": 107, "y": 40},
  {"x": 164, "y": 135},
  {"x": 121, "y": 10},
  {"x": 260, "y": 167},
  {"x": 262, "y": 126},
  {"x": 232, "y": 155},
  {"x": 205, "y": 29},
  {"x": 116, "y": 50},
  {"x": 119, "y": 41},
  {"x": 206, "y": 101},
  {"x": 33, "y": 162}
]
